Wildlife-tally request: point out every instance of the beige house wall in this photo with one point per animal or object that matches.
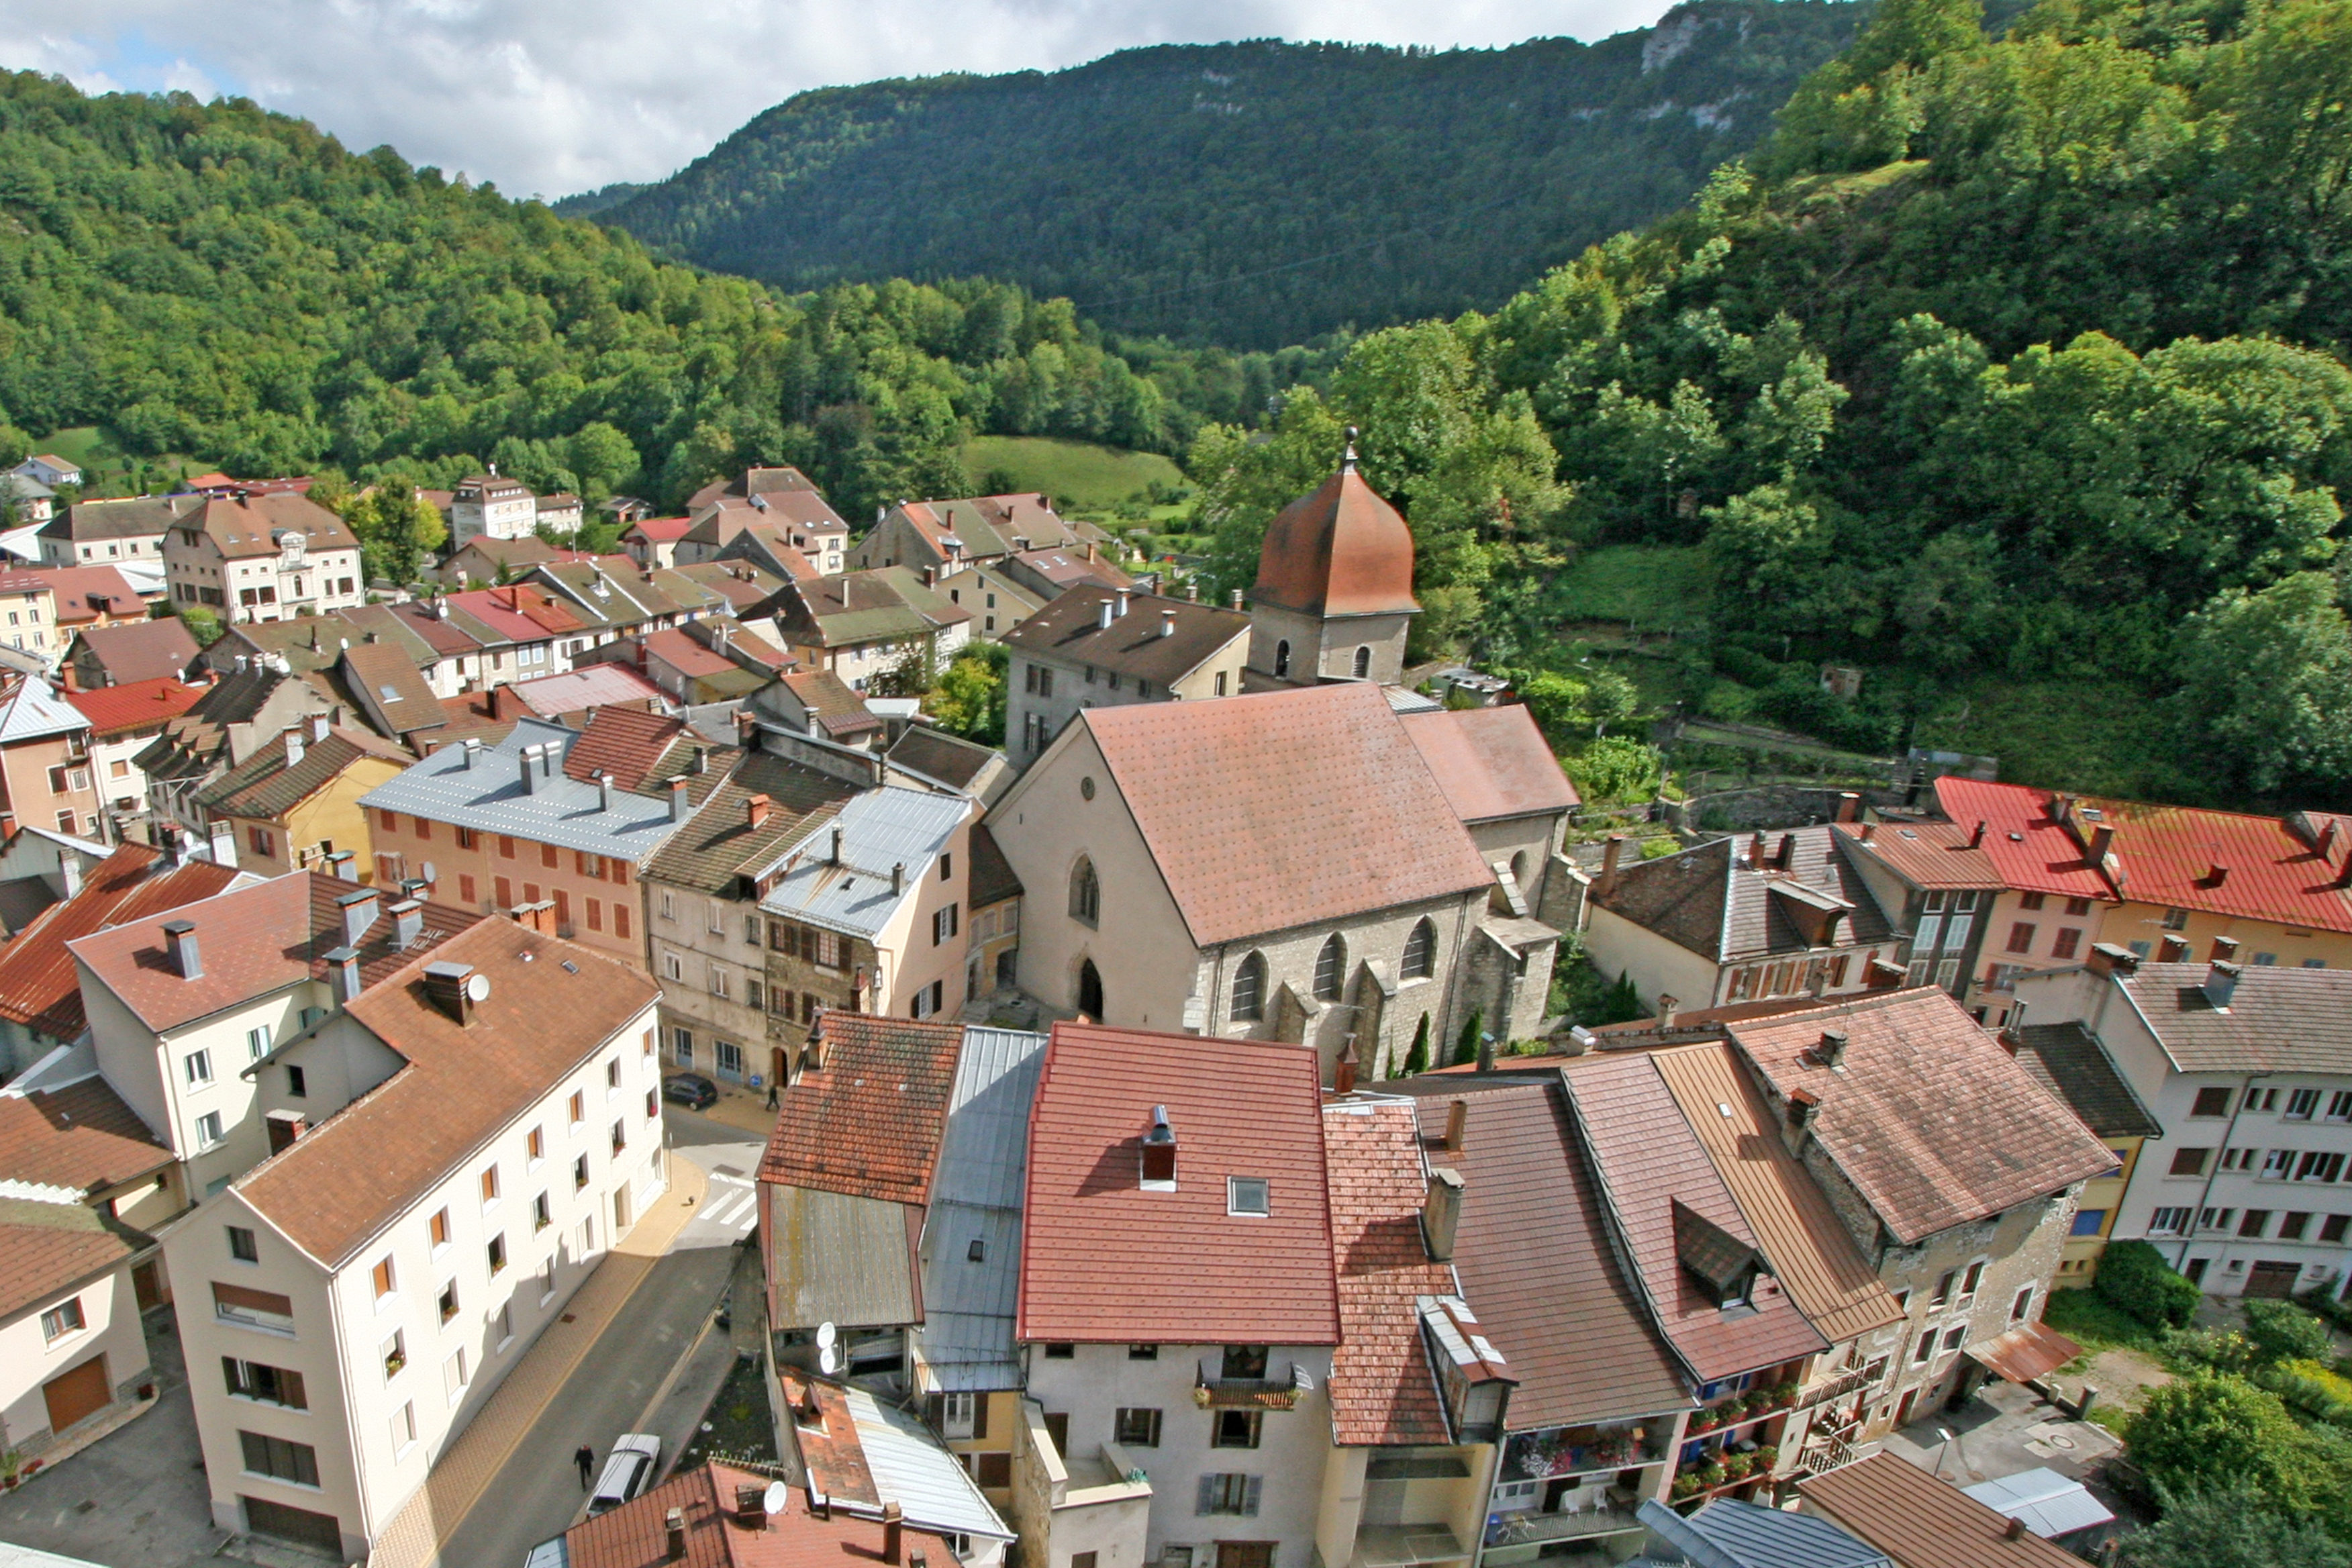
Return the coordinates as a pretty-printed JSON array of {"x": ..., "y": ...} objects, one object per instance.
[
  {"x": 1659, "y": 967},
  {"x": 467, "y": 875},
  {"x": 26, "y": 799},
  {"x": 2142, "y": 927},
  {"x": 28, "y": 1358}
]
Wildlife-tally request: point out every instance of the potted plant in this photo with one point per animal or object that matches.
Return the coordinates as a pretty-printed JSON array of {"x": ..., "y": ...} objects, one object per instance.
[
  {"x": 1736, "y": 1466},
  {"x": 1766, "y": 1458},
  {"x": 1710, "y": 1475},
  {"x": 1685, "y": 1485},
  {"x": 1702, "y": 1420}
]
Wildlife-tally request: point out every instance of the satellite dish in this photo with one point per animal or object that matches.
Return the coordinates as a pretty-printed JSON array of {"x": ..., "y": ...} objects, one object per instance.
[
  {"x": 828, "y": 1360},
  {"x": 477, "y": 988},
  {"x": 430, "y": 874},
  {"x": 776, "y": 1497},
  {"x": 825, "y": 1336}
]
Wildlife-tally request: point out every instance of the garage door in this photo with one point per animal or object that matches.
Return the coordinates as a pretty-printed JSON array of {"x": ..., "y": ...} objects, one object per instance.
[
  {"x": 74, "y": 1396},
  {"x": 2274, "y": 1279},
  {"x": 319, "y": 1530}
]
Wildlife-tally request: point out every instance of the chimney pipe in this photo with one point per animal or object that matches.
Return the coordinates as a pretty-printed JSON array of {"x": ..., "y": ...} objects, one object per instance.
[
  {"x": 2101, "y": 837},
  {"x": 835, "y": 858},
  {"x": 755, "y": 810},
  {"x": 407, "y": 923},
  {"x": 1849, "y": 807},
  {"x": 1441, "y": 1212},
  {"x": 1457, "y": 1125},
  {"x": 1667, "y": 1009},
  {"x": 2224, "y": 948},
  {"x": 1167, "y": 623},
  {"x": 359, "y": 914},
  {"x": 70, "y": 872},
  {"x": 2014, "y": 1531},
  {"x": 674, "y": 1533},
  {"x": 179, "y": 937},
  {"x": 2173, "y": 948},
  {"x": 343, "y": 974},
  {"x": 1868, "y": 831},
  {"x": 1610, "y": 856},
  {"x": 530, "y": 774},
  {"x": 2220, "y": 983},
  {"x": 604, "y": 790},
  {"x": 898, "y": 877},
  {"x": 346, "y": 864},
  {"x": 894, "y": 1532},
  {"x": 1160, "y": 1148},
  {"x": 1831, "y": 1049},
  {"x": 678, "y": 801}
]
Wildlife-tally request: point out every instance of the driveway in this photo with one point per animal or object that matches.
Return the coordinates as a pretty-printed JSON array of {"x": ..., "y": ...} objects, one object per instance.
[{"x": 2004, "y": 1429}]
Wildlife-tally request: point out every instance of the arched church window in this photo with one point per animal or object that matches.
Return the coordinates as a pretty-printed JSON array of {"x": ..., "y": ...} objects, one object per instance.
[
  {"x": 1282, "y": 659},
  {"x": 1249, "y": 990},
  {"x": 1331, "y": 968},
  {"x": 1086, "y": 893},
  {"x": 1363, "y": 663}
]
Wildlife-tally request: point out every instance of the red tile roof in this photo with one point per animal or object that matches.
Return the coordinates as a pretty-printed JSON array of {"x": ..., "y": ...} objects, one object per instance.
[
  {"x": 38, "y": 985},
  {"x": 81, "y": 1137},
  {"x": 685, "y": 655},
  {"x": 1491, "y": 762},
  {"x": 1342, "y": 551},
  {"x": 2227, "y": 863},
  {"x": 1926, "y": 853},
  {"x": 1933, "y": 1123},
  {"x": 627, "y": 742},
  {"x": 113, "y": 710},
  {"x": 552, "y": 1006},
  {"x": 1102, "y": 1259},
  {"x": 867, "y": 1124},
  {"x": 659, "y": 529},
  {"x": 1220, "y": 792},
  {"x": 1382, "y": 1391},
  {"x": 635, "y": 1535},
  {"x": 2032, "y": 850}
]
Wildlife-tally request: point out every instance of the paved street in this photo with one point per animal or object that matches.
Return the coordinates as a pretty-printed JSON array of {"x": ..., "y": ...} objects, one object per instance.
[{"x": 619, "y": 1384}]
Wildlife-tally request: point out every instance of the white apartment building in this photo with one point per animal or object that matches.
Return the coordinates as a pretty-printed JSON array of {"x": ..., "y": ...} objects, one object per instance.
[
  {"x": 2248, "y": 1073},
  {"x": 263, "y": 558},
  {"x": 474, "y": 1135},
  {"x": 488, "y": 505}
]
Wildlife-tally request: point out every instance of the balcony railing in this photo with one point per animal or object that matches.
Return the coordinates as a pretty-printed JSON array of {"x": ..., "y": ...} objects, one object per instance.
[
  {"x": 1281, "y": 1393},
  {"x": 1519, "y": 1528},
  {"x": 1406, "y": 1546},
  {"x": 1837, "y": 1388},
  {"x": 1824, "y": 1456}
]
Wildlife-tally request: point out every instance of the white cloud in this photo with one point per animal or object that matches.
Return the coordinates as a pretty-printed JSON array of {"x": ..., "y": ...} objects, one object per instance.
[{"x": 551, "y": 97}]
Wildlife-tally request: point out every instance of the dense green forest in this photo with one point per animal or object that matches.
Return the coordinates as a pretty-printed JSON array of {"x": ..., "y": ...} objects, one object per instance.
[
  {"x": 1252, "y": 195},
  {"x": 2018, "y": 355},
  {"x": 224, "y": 284}
]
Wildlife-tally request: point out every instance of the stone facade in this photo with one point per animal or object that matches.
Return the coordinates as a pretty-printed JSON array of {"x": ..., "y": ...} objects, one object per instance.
[{"x": 1302, "y": 649}]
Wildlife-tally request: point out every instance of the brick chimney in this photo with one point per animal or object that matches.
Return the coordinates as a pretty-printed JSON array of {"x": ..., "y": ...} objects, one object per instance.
[
  {"x": 755, "y": 810},
  {"x": 2107, "y": 958},
  {"x": 180, "y": 940},
  {"x": 674, "y": 1535},
  {"x": 2172, "y": 948},
  {"x": 456, "y": 989},
  {"x": 752, "y": 1506},
  {"x": 893, "y": 1532},
  {"x": 1613, "y": 852},
  {"x": 1441, "y": 1212},
  {"x": 1848, "y": 809},
  {"x": 1160, "y": 1148},
  {"x": 2225, "y": 948},
  {"x": 1457, "y": 1125}
]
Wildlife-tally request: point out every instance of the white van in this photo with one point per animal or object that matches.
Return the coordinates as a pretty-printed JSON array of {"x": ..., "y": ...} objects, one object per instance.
[{"x": 629, "y": 1470}]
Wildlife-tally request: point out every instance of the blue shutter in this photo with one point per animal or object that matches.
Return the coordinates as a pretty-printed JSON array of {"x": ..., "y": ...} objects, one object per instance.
[{"x": 1207, "y": 1503}]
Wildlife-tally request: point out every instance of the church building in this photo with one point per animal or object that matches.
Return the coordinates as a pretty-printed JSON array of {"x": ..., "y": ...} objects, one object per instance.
[{"x": 1334, "y": 595}]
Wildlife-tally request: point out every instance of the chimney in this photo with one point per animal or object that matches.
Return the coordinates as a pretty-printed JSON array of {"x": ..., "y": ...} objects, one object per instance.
[
  {"x": 407, "y": 923},
  {"x": 1667, "y": 1007},
  {"x": 836, "y": 857},
  {"x": 70, "y": 872},
  {"x": 346, "y": 864},
  {"x": 2013, "y": 1029},
  {"x": 755, "y": 810},
  {"x": 1849, "y": 807},
  {"x": 930, "y": 579},
  {"x": 2014, "y": 1529},
  {"x": 318, "y": 728},
  {"x": 1457, "y": 1125},
  {"x": 893, "y": 1532},
  {"x": 2107, "y": 958},
  {"x": 2225, "y": 948},
  {"x": 2221, "y": 983},
  {"x": 678, "y": 804},
  {"x": 1610, "y": 856},
  {"x": 343, "y": 974},
  {"x": 604, "y": 790},
  {"x": 898, "y": 879},
  {"x": 1755, "y": 851},
  {"x": 455, "y": 988},
  {"x": 1237, "y": 598},
  {"x": 1192, "y": 596},
  {"x": 359, "y": 914},
  {"x": 2171, "y": 948},
  {"x": 2101, "y": 837},
  {"x": 1786, "y": 856},
  {"x": 1803, "y": 1106},
  {"x": 1976, "y": 834},
  {"x": 1122, "y": 603},
  {"x": 1830, "y": 1051},
  {"x": 1090, "y": 551},
  {"x": 2216, "y": 875},
  {"x": 674, "y": 1534},
  {"x": 752, "y": 1506},
  {"x": 526, "y": 757},
  {"x": 1167, "y": 623},
  {"x": 1104, "y": 616},
  {"x": 1869, "y": 830},
  {"x": 701, "y": 760},
  {"x": 240, "y": 664},
  {"x": 1160, "y": 1148},
  {"x": 1441, "y": 1212},
  {"x": 179, "y": 937}
]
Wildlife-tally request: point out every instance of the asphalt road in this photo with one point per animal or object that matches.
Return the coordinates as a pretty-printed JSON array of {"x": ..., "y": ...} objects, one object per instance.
[{"x": 537, "y": 1494}]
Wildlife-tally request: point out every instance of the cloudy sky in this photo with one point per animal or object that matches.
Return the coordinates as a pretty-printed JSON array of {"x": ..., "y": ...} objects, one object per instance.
[{"x": 556, "y": 96}]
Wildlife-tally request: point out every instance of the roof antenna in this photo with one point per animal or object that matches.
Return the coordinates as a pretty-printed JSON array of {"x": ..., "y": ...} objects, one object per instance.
[{"x": 1348, "y": 458}]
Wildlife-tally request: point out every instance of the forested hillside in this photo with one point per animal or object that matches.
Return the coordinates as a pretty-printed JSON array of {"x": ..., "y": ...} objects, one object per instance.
[
  {"x": 225, "y": 285},
  {"x": 2022, "y": 355},
  {"x": 1252, "y": 195}
]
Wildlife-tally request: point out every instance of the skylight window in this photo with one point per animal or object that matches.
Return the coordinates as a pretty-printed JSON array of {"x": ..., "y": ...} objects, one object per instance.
[{"x": 1246, "y": 1195}]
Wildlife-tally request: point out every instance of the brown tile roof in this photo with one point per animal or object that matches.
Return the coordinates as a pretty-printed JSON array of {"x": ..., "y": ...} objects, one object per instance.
[
  {"x": 38, "y": 985},
  {"x": 1219, "y": 789},
  {"x": 264, "y": 786},
  {"x": 2068, "y": 1060},
  {"x": 1929, "y": 1118},
  {"x": 1491, "y": 762},
  {"x": 1342, "y": 551},
  {"x": 1811, "y": 1253},
  {"x": 81, "y": 1137},
  {"x": 950, "y": 759},
  {"x": 48, "y": 1248},
  {"x": 2278, "y": 1020},
  {"x": 867, "y": 1124},
  {"x": 1382, "y": 1391},
  {"x": 243, "y": 526},
  {"x": 142, "y": 650},
  {"x": 552, "y": 1006},
  {"x": 1647, "y": 1164},
  {"x": 85, "y": 593},
  {"x": 251, "y": 942},
  {"x": 390, "y": 687},
  {"x": 1069, "y": 630},
  {"x": 1238, "y": 1108},
  {"x": 1922, "y": 1521},
  {"x": 1713, "y": 901},
  {"x": 132, "y": 706},
  {"x": 1536, "y": 1260},
  {"x": 129, "y": 517},
  {"x": 627, "y": 742},
  {"x": 718, "y": 843},
  {"x": 854, "y": 608},
  {"x": 831, "y": 703},
  {"x": 635, "y": 1535},
  {"x": 993, "y": 879},
  {"x": 1924, "y": 854}
]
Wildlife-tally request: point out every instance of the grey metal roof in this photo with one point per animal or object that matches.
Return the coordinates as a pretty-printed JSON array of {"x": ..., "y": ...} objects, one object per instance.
[
  {"x": 910, "y": 1468},
  {"x": 838, "y": 1259},
  {"x": 880, "y": 829},
  {"x": 488, "y": 798},
  {"x": 967, "y": 1337},
  {"x": 34, "y": 711},
  {"x": 2048, "y": 1503},
  {"x": 1727, "y": 1533}
]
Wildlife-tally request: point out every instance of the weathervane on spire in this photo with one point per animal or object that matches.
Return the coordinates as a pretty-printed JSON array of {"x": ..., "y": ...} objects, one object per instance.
[{"x": 1348, "y": 458}]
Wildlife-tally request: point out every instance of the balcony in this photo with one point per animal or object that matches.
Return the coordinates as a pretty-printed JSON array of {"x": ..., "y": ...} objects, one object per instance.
[
  {"x": 1280, "y": 1393},
  {"x": 1839, "y": 1387},
  {"x": 1406, "y": 1546},
  {"x": 1583, "y": 1451},
  {"x": 1541, "y": 1529}
]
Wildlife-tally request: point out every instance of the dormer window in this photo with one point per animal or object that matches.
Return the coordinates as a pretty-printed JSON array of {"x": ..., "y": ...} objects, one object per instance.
[{"x": 1723, "y": 1267}]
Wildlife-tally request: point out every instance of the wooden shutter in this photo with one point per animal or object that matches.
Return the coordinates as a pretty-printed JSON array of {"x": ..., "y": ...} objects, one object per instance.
[
  {"x": 251, "y": 1301},
  {"x": 980, "y": 1415}
]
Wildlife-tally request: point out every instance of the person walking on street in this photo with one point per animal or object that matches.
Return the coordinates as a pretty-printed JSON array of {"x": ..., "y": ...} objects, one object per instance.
[
  {"x": 771, "y": 1094},
  {"x": 585, "y": 1457}
]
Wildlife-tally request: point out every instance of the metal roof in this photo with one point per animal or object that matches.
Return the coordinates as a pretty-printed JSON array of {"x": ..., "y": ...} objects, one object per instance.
[
  {"x": 967, "y": 1336},
  {"x": 489, "y": 797},
  {"x": 879, "y": 829},
  {"x": 1729, "y": 1533},
  {"x": 34, "y": 711},
  {"x": 2050, "y": 1504},
  {"x": 911, "y": 1469}
]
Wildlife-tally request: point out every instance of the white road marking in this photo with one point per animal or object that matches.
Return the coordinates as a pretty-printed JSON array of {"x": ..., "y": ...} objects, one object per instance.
[{"x": 732, "y": 1203}]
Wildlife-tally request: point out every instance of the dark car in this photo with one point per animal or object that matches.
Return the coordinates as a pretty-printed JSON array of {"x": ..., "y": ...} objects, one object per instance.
[{"x": 690, "y": 1090}]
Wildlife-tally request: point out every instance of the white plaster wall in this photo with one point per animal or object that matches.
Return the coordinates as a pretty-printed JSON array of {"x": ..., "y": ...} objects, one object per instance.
[{"x": 28, "y": 1359}]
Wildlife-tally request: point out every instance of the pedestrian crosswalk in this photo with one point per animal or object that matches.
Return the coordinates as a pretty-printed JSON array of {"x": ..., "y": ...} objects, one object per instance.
[{"x": 731, "y": 1204}]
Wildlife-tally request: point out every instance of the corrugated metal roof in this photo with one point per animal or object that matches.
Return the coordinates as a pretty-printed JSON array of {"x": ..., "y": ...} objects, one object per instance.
[
  {"x": 968, "y": 1301},
  {"x": 838, "y": 1259},
  {"x": 2050, "y": 1504},
  {"x": 1923, "y": 1521},
  {"x": 1729, "y": 1533},
  {"x": 910, "y": 1468},
  {"x": 879, "y": 829},
  {"x": 490, "y": 797},
  {"x": 33, "y": 711}
]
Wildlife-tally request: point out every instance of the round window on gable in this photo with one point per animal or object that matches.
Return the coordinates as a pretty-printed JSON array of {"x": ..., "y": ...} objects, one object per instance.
[{"x": 1087, "y": 788}]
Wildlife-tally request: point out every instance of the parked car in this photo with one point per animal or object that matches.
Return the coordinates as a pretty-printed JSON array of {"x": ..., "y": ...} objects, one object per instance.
[
  {"x": 549, "y": 1553},
  {"x": 628, "y": 1470},
  {"x": 690, "y": 1090}
]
